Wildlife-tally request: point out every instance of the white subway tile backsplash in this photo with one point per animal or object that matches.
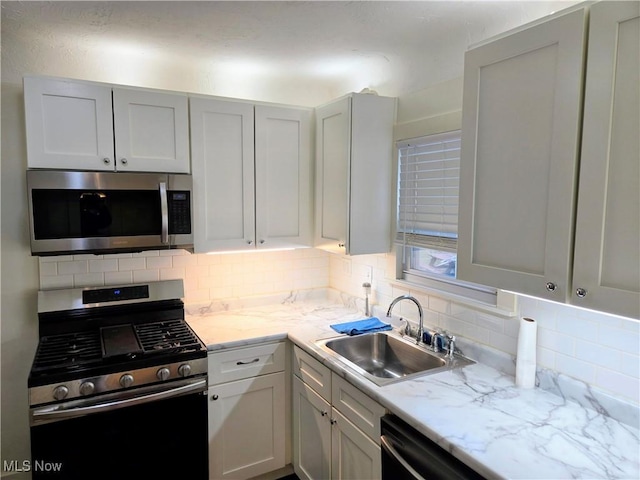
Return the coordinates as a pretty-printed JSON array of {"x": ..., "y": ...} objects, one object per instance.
[
  {"x": 619, "y": 384},
  {"x": 132, "y": 263},
  {"x": 576, "y": 368},
  {"x": 490, "y": 322},
  {"x": 580, "y": 328},
  {"x": 57, "y": 281},
  {"x": 88, "y": 279},
  {"x": 48, "y": 269},
  {"x": 603, "y": 350},
  {"x": 141, "y": 276},
  {"x": 619, "y": 339},
  {"x": 171, "y": 273},
  {"x": 59, "y": 258},
  {"x": 159, "y": 262},
  {"x": 118, "y": 278},
  {"x": 103, "y": 265},
  {"x": 73, "y": 267},
  {"x": 598, "y": 354}
]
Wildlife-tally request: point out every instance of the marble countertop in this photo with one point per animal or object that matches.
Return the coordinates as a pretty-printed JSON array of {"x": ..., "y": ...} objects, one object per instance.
[{"x": 476, "y": 413}]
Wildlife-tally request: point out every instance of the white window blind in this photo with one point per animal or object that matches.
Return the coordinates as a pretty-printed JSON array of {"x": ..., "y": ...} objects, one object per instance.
[{"x": 428, "y": 179}]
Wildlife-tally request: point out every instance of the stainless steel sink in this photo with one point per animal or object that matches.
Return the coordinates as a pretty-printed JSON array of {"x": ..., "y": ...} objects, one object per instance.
[{"x": 386, "y": 358}]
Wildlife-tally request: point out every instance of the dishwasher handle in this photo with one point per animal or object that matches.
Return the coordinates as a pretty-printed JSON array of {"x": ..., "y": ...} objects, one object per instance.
[{"x": 388, "y": 447}]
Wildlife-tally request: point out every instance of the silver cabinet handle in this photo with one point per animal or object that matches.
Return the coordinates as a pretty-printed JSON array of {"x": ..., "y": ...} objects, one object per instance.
[
  {"x": 249, "y": 242},
  {"x": 164, "y": 212},
  {"x": 333, "y": 421},
  {"x": 581, "y": 292},
  {"x": 255, "y": 360},
  {"x": 106, "y": 160},
  {"x": 124, "y": 161},
  {"x": 214, "y": 397},
  {"x": 324, "y": 413},
  {"x": 551, "y": 287},
  {"x": 262, "y": 242},
  {"x": 341, "y": 245}
]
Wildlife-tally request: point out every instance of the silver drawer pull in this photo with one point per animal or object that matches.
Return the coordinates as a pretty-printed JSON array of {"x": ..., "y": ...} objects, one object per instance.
[{"x": 255, "y": 360}]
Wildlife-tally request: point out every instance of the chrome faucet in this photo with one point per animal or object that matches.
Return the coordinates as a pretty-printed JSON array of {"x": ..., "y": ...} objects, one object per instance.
[{"x": 414, "y": 300}]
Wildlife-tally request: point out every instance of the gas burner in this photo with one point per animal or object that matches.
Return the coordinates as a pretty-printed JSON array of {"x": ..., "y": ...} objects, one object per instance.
[{"x": 67, "y": 351}]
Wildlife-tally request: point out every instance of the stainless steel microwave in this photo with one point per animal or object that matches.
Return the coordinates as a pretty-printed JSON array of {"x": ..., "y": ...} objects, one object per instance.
[{"x": 107, "y": 212}]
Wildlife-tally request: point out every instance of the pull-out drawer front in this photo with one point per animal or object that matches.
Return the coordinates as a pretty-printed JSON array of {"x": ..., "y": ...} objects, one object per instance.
[
  {"x": 312, "y": 372},
  {"x": 246, "y": 362},
  {"x": 361, "y": 410}
]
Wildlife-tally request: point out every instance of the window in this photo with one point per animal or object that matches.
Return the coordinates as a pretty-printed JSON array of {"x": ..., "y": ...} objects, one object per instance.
[{"x": 427, "y": 215}]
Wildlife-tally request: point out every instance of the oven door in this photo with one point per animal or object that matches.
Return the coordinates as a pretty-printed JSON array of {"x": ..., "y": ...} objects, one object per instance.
[{"x": 152, "y": 432}]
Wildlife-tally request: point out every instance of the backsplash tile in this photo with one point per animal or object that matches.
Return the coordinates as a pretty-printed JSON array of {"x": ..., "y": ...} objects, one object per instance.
[
  {"x": 594, "y": 349},
  {"x": 601, "y": 350}
]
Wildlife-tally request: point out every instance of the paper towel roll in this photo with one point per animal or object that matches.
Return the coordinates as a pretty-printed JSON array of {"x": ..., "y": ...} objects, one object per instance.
[{"x": 526, "y": 354}]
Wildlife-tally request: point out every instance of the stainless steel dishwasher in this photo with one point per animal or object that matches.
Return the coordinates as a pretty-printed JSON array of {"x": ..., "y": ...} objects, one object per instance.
[{"x": 407, "y": 455}]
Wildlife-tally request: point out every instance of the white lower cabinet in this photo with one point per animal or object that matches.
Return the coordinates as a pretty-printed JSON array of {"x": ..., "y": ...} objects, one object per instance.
[
  {"x": 336, "y": 433},
  {"x": 247, "y": 424}
]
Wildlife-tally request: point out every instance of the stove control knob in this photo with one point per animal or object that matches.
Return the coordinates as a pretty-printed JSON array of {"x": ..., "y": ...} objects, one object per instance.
[
  {"x": 60, "y": 392},
  {"x": 163, "y": 374},
  {"x": 87, "y": 388},
  {"x": 126, "y": 380},
  {"x": 184, "y": 370}
]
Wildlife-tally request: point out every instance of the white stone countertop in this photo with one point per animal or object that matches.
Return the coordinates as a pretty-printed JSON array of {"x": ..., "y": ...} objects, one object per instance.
[{"x": 476, "y": 413}]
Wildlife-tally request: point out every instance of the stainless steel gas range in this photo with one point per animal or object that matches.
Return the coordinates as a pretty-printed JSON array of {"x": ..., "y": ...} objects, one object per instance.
[{"x": 117, "y": 388}]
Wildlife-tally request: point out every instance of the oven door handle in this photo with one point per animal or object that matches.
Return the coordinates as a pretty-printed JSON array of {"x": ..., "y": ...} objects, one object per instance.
[
  {"x": 389, "y": 448},
  {"x": 59, "y": 412}
]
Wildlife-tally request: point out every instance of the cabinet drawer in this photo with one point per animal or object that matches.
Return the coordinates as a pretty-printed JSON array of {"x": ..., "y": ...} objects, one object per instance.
[
  {"x": 361, "y": 410},
  {"x": 246, "y": 362},
  {"x": 312, "y": 372}
]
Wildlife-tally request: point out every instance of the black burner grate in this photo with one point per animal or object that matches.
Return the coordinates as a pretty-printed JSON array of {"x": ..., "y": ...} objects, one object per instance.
[
  {"x": 67, "y": 351},
  {"x": 166, "y": 336}
]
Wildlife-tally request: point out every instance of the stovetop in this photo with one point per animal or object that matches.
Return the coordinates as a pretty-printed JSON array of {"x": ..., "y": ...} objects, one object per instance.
[
  {"x": 99, "y": 340},
  {"x": 109, "y": 349}
]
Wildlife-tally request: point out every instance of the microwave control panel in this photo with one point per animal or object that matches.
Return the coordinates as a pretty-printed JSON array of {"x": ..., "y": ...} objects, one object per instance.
[{"x": 179, "y": 203}]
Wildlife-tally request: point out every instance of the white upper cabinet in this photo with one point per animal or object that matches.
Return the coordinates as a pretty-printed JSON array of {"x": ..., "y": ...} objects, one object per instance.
[
  {"x": 284, "y": 215},
  {"x": 607, "y": 244},
  {"x": 69, "y": 124},
  {"x": 354, "y": 151},
  {"x": 522, "y": 151},
  {"x": 80, "y": 126},
  {"x": 151, "y": 131},
  {"x": 252, "y": 186}
]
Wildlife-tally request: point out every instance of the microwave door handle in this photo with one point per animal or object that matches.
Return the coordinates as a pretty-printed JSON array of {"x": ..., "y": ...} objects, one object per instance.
[{"x": 164, "y": 211}]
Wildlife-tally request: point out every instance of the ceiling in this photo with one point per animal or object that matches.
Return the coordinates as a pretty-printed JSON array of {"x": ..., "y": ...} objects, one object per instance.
[{"x": 231, "y": 48}]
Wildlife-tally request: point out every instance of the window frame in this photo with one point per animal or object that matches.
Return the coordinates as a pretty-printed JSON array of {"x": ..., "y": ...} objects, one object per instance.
[{"x": 443, "y": 285}]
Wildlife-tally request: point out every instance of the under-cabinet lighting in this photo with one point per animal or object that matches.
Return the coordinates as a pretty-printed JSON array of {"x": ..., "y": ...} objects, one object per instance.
[
  {"x": 255, "y": 250},
  {"x": 558, "y": 302}
]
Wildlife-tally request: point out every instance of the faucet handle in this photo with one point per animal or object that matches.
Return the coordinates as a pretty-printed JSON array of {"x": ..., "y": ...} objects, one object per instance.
[{"x": 451, "y": 344}]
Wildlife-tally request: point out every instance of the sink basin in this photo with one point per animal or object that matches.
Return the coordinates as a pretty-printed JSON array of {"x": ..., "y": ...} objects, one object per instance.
[{"x": 385, "y": 358}]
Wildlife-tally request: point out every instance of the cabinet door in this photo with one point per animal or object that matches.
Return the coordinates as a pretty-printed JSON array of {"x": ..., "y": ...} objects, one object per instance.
[
  {"x": 607, "y": 249},
  {"x": 69, "y": 124},
  {"x": 333, "y": 140},
  {"x": 520, "y": 134},
  {"x": 247, "y": 427},
  {"x": 354, "y": 456},
  {"x": 372, "y": 120},
  {"x": 151, "y": 131},
  {"x": 311, "y": 433},
  {"x": 283, "y": 177},
  {"x": 223, "y": 174}
]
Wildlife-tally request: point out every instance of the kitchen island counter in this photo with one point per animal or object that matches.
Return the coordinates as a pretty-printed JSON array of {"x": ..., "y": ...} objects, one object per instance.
[{"x": 477, "y": 413}]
